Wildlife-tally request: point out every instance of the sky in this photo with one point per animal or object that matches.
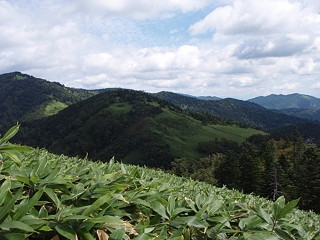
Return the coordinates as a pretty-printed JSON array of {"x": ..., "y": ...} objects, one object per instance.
[{"x": 225, "y": 48}]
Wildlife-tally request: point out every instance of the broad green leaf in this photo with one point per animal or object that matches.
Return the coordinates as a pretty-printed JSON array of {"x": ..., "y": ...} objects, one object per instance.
[
  {"x": 118, "y": 234},
  {"x": 15, "y": 236},
  {"x": 32, "y": 220},
  {"x": 10, "y": 134},
  {"x": 171, "y": 206},
  {"x": 24, "y": 180},
  {"x": 191, "y": 204},
  {"x": 159, "y": 208},
  {"x": 45, "y": 229},
  {"x": 215, "y": 206},
  {"x": 53, "y": 196},
  {"x": 277, "y": 207},
  {"x": 110, "y": 165},
  {"x": 17, "y": 225},
  {"x": 43, "y": 162},
  {"x": 264, "y": 215},
  {"x": 9, "y": 205},
  {"x": 106, "y": 219},
  {"x": 123, "y": 169},
  {"x": 75, "y": 217},
  {"x": 177, "y": 211},
  {"x": 198, "y": 223},
  {"x": 14, "y": 149},
  {"x": 100, "y": 201},
  {"x": 13, "y": 157},
  {"x": 4, "y": 189},
  {"x": 66, "y": 231},
  {"x": 43, "y": 212},
  {"x": 284, "y": 235},
  {"x": 288, "y": 208},
  {"x": 83, "y": 234},
  {"x": 26, "y": 207}
]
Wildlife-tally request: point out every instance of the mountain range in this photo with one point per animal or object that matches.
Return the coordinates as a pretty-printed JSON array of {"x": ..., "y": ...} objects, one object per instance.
[
  {"x": 134, "y": 126},
  {"x": 299, "y": 105},
  {"x": 244, "y": 112},
  {"x": 295, "y": 101}
]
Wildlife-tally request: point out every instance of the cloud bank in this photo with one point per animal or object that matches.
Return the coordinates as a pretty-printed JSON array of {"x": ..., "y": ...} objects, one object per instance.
[{"x": 240, "y": 48}]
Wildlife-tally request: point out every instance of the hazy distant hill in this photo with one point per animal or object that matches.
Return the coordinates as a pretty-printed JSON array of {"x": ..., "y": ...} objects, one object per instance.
[
  {"x": 244, "y": 112},
  {"x": 136, "y": 127},
  {"x": 24, "y": 97},
  {"x": 208, "y": 98},
  {"x": 295, "y": 100},
  {"x": 201, "y": 97}
]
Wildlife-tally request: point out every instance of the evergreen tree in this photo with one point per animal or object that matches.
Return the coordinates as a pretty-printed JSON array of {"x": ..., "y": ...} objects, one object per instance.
[{"x": 228, "y": 172}]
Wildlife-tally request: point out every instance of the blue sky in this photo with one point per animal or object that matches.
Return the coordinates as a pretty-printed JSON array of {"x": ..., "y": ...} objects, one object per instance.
[{"x": 225, "y": 48}]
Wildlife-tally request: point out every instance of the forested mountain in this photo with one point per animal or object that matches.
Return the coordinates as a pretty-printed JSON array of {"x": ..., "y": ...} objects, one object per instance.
[
  {"x": 310, "y": 114},
  {"x": 294, "y": 100},
  {"x": 136, "y": 127},
  {"x": 309, "y": 131},
  {"x": 24, "y": 97},
  {"x": 244, "y": 112}
]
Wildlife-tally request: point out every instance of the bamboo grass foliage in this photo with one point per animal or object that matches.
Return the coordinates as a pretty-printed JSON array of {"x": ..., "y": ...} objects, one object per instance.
[{"x": 45, "y": 196}]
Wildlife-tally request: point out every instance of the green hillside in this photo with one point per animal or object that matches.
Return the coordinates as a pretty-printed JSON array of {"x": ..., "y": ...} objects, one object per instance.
[
  {"x": 243, "y": 112},
  {"x": 136, "y": 127},
  {"x": 24, "y": 98},
  {"x": 46, "y": 196}
]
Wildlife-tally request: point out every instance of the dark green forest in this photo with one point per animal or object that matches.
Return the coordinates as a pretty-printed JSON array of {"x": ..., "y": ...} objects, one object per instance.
[
  {"x": 261, "y": 165},
  {"x": 25, "y": 98}
]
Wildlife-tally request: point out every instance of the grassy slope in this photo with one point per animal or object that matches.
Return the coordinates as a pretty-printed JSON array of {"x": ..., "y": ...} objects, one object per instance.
[
  {"x": 61, "y": 197},
  {"x": 45, "y": 109},
  {"x": 183, "y": 134}
]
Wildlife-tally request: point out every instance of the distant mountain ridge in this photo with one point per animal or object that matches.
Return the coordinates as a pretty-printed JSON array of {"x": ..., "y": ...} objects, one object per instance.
[
  {"x": 295, "y": 100},
  {"x": 201, "y": 97},
  {"x": 25, "y": 98},
  {"x": 244, "y": 112}
]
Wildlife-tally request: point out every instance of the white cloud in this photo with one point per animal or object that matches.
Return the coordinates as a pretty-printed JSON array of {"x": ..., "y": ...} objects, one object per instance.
[
  {"x": 142, "y": 9},
  {"x": 259, "y": 17},
  {"x": 257, "y": 47}
]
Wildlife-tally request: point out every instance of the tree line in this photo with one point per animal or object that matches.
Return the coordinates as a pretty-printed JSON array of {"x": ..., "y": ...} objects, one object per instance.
[{"x": 261, "y": 165}]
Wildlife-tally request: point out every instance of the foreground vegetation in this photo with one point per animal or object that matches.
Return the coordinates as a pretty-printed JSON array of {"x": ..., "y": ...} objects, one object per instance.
[{"x": 45, "y": 196}]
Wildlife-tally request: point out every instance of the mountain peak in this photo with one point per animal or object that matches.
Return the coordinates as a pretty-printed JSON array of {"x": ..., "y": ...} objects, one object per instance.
[{"x": 294, "y": 100}]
